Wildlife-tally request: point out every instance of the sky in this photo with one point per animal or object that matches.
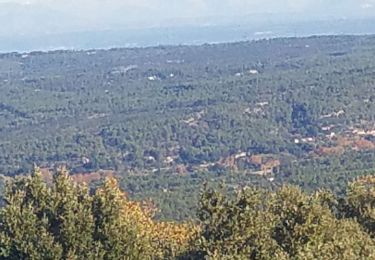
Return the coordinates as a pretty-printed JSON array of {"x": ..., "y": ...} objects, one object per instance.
[
  {"x": 53, "y": 24},
  {"x": 32, "y": 16}
]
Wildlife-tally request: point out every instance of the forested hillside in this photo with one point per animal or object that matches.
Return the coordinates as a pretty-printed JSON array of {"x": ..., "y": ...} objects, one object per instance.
[{"x": 164, "y": 120}]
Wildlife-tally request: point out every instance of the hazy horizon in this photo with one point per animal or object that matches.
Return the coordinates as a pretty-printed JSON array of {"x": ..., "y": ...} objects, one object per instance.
[{"x": 34, "y": 24}]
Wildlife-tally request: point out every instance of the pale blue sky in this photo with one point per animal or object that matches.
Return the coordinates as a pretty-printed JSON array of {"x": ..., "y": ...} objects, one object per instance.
[{"x": 28, "y": 16}]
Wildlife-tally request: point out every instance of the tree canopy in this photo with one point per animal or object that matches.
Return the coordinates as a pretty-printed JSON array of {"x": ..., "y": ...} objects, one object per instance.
[{"x": 61, "y": 219}]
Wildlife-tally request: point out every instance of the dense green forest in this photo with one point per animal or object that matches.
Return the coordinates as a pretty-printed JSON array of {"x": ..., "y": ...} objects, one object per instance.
[
  {"x": 166, "y": 119},
  {"x": 64, "y": 220}
]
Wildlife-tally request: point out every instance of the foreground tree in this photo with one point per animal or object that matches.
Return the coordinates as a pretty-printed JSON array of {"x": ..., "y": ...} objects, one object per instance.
[
  {"x": 62, "y": 221},
  {"x": 286, "y": 224}
]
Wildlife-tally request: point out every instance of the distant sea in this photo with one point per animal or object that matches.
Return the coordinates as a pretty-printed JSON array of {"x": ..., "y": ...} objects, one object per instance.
[{"x": 184, "y": 35}]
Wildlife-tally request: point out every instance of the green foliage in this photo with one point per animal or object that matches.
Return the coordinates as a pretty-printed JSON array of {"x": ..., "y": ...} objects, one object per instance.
[
  {"x": 63, "y": 221},
  {"x": 117, "y": 238},
  {"x": 361, "y": 203},
  {"x": 185, "y": 109},
  {"x": 236, "y": 229},
  {"x": 285, "y": 224}
]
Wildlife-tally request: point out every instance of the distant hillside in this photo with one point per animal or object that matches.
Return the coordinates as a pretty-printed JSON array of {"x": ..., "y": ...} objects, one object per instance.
[{"x": 165, "y": 119}]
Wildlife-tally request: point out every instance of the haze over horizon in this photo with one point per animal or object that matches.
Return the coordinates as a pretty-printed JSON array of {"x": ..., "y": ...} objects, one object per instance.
[{"x": 26, "y": 22}]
